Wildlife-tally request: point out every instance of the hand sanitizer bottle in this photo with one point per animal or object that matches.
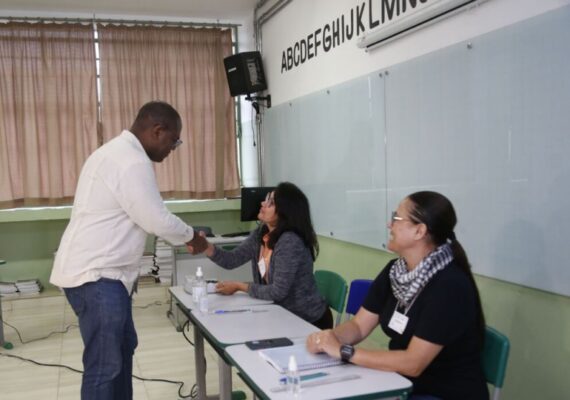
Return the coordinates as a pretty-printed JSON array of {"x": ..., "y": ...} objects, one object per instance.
[
  {"x": 293, "y": 379},
  {"x": 199, "y": 287}
]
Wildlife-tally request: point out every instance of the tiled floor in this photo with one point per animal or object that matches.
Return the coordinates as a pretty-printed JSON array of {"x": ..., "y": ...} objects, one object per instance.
[{"x": 162, "y": 352}]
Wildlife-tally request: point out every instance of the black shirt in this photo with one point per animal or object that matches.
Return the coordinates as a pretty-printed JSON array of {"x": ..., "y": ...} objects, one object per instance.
[{"x": 444, "y": 313}]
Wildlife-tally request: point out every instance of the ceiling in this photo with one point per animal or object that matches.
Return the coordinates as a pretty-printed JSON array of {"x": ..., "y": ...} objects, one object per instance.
[{"x": 222, "y": 10}]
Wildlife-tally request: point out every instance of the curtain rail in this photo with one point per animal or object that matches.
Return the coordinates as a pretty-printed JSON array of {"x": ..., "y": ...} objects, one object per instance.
[{"x": 118, "y": 21}]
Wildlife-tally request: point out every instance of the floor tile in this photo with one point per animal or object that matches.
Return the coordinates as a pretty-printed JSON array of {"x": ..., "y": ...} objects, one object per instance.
[{"x": 163, "y": 352}]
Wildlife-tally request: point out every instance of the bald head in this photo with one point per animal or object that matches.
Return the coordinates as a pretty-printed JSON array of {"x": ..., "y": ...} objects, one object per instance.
[
  {"x": 157, "y": 112},
  {"x": 157, "y": 126}
]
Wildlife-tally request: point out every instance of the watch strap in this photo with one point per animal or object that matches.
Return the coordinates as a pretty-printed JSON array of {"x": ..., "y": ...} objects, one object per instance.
[{"x": 346, "y": 352}]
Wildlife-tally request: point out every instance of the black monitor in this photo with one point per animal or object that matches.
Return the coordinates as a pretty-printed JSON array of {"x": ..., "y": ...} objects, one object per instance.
[{"x": 251, "y": 198}]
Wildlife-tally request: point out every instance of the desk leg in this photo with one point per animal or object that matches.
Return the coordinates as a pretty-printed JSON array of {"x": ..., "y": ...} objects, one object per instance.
[
  {"x": 225, "y": 379},
  {"x": 1, "y": 325},
  {"x": 199, "y": 363}
]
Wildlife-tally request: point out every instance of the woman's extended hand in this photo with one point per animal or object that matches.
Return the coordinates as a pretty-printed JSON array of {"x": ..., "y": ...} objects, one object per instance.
[
  {"x": 230, "y": 287},
  {"x": 324, "y": 342}
]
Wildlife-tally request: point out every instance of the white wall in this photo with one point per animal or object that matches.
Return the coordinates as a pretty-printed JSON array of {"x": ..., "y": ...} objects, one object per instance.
[
  {"x": 301, "y": 18},
  {"x": 249, "y": 164}
]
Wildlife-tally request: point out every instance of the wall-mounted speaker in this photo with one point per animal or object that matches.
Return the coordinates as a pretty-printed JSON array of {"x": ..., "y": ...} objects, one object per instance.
[{"x": 245, "y": 73}]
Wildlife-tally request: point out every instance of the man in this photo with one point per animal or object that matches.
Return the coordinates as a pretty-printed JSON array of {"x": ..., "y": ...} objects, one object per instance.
[{"x": 117, "y": 203}]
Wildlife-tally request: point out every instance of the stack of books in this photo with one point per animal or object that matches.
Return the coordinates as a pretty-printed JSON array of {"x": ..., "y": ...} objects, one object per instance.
[
  {"x": 8, "y": 289},
  {"x": 29, "y": 286},
  {"x": 164, "y": 258}
]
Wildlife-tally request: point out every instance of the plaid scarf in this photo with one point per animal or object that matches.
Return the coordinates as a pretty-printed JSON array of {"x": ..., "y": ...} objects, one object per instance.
[{"x": 406, "y": 285}]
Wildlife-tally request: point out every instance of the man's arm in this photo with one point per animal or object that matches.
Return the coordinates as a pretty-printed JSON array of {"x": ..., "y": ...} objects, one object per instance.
[{"x": 140, "y": 198}]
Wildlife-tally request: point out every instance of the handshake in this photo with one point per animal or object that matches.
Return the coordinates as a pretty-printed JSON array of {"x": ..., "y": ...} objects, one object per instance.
[{"x": 198, "y": 244}]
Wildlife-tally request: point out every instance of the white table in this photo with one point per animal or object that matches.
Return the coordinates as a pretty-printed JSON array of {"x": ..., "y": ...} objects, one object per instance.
[
  {"x": 261, "y": 377},
  {"x": 185, "y": 264},
  {"x": 262, "y": 322},
  {"x": 215, "y": 302}
]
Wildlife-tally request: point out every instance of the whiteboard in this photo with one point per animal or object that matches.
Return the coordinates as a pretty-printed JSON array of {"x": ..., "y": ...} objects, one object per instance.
[
  {"x": 486, "y": 123},
  {"x": 328, "y": 143}
]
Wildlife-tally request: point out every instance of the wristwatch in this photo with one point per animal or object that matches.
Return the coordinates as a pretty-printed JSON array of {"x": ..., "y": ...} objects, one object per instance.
[{"x": 346, "y": 352}]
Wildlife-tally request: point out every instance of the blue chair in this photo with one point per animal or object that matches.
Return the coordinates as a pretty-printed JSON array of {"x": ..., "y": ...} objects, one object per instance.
[
  {"x": 333, "y": 288},
  {"x": 356, "y": 295},
  {"x": 495, "y": 357}
]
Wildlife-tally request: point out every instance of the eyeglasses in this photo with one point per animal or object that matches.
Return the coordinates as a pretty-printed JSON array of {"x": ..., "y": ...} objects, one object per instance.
[
  {"x": 176, "y": 144},
  {"x": 269, "y": 200},
  {"x": 395, "y": 217}
]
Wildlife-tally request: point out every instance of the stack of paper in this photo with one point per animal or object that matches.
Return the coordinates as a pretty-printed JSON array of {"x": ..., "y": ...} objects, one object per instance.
[
  {"x": 8, "y": 289},
  {"x": 164, "y": 257},
  {"x": 29, "y": 286},
  {"x": 278, "y": 357}
]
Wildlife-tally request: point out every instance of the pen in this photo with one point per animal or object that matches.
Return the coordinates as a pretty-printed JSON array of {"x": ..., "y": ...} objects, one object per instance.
[
  {"x": 232, "y": 311},
  {"x": 307, "y": 377}
]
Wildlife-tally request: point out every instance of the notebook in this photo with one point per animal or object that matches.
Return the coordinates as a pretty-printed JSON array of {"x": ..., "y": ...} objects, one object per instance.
[{"x": 278, "y": 357}]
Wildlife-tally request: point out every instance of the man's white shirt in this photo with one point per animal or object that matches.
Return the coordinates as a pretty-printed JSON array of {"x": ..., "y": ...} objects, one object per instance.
[{"x": 117, "y": 202}]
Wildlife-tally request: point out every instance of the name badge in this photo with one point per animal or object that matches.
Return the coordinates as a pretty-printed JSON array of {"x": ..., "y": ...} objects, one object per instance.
[
  {"x": 398, "y": 322},
  {"x": 262, "y": 267}
]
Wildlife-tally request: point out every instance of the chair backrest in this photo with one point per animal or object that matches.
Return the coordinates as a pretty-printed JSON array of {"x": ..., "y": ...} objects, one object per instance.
[
  {"x": 356, "y": 295},
  {"x": 495, "y": 357},
  {"x": 333, "y": 288}
]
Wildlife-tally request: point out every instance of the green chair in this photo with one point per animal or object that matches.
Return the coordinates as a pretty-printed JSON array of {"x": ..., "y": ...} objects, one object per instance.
[
  {"x": 495, "y": 357},
  {"x": 333, "y": 288}
]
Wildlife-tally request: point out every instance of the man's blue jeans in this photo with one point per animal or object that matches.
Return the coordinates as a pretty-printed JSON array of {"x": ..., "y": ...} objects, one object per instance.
[{"x": 108, "y": 332}]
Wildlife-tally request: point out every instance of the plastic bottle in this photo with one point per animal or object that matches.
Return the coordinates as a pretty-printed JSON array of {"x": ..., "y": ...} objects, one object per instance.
[
  {"x": 293, "y": 379},
  {"x": 203, "y": 302},
  {"x": 188, "y": 283},
  {"x": 199, "y": 287}
]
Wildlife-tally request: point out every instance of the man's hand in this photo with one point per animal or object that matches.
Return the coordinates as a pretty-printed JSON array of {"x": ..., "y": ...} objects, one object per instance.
[{"x": 198, "y": 244}]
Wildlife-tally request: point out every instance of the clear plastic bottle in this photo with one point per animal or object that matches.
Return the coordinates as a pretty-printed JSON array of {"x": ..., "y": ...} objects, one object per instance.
[
  {"x": 293, "y": 379},
  {"x": 199, "y": 287},
  {"x": 203, "y": 303}
]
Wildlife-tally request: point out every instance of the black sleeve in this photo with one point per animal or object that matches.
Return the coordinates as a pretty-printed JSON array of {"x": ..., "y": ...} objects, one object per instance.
[
  {"x": 379, "y": 291},
  {"x": 449, "y": 306}
]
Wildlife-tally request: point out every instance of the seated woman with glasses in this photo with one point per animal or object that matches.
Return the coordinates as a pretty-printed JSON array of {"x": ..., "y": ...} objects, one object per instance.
[
  {"x": 281, "y": 251},
  {"x": 426, "y": 301}
]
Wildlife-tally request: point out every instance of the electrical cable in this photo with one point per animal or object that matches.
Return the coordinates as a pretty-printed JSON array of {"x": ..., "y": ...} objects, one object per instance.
[
  {"x": 156, "y": 303},
  {"x": 193, "y": 390},
  {"x": 253, "y": 130},
  {"x": 186, "y": 325},
  {"x": 41, "y": 338}
]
